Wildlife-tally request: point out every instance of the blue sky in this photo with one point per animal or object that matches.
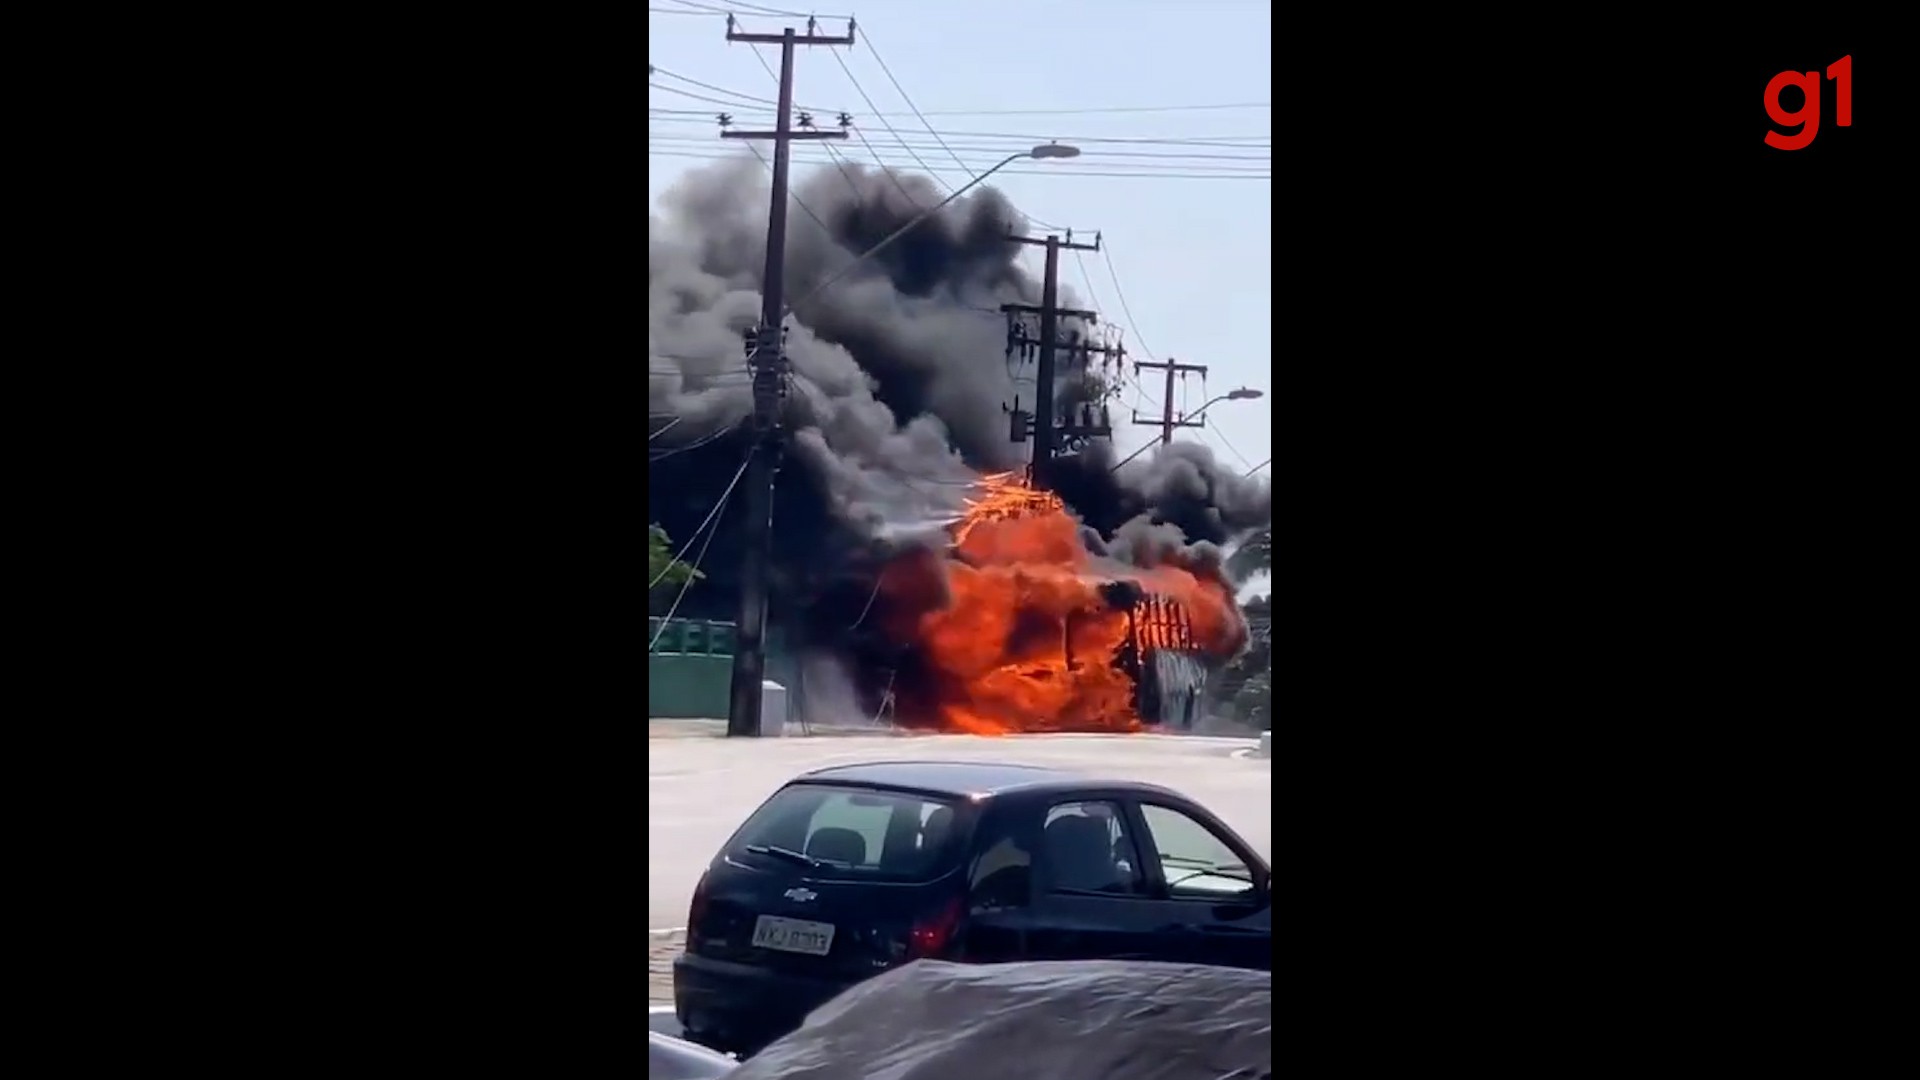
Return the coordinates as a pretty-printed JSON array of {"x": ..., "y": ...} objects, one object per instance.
[{"x": 1190, "y": 242}]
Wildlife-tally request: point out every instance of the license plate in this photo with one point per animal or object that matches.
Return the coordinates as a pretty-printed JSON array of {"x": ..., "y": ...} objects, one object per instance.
[{"x": 793, "y": 935}]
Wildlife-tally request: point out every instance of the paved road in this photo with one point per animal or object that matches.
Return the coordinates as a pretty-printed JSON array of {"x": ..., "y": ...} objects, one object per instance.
[{"x": 700, "y": 789}]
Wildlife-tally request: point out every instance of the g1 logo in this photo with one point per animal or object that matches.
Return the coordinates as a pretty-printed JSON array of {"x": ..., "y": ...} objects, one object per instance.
[{"x": 1807, "y": 116}]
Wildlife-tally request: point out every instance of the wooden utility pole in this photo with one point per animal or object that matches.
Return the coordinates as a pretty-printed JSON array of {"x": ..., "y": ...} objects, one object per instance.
[
  {"x": 1167, "y": 422},
  {"x": 1044, "y": 420},
  {"x": 768, "y": 362}
]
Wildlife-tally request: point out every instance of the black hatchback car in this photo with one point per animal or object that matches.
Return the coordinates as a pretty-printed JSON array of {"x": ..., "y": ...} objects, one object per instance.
[{"x": 851, "y": 870}]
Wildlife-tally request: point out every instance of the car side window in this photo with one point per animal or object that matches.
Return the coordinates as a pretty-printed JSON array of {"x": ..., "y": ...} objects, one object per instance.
[
  {"x": 1087, "y": 850},
  {"x": 1194, "y": 862},
  {"x": 1002, "y": 877}
]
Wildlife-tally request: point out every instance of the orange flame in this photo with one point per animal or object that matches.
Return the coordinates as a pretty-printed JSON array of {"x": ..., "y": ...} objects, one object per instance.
[{"x": 1031, "y": 628}]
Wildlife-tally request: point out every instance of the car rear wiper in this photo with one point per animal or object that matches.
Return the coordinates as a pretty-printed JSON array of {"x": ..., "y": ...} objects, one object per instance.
[{"x": 788, "y": 854}]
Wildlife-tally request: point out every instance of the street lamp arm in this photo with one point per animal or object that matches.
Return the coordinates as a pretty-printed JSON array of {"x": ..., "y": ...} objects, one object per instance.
[
  {"x": 1241, "y": 394},
  {"x": 1195, "y": 414},
  {"x": 1151, "y": 443}
]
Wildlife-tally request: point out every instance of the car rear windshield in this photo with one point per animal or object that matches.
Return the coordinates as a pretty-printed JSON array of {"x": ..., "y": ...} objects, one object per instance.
[{"x": 853, "y": 832}]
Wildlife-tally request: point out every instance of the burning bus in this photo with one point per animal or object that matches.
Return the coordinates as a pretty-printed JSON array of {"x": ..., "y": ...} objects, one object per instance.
[{"x": 1019, "y": 626}]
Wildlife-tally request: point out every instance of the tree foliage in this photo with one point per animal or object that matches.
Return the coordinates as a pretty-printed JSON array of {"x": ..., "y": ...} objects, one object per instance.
[
  {"x": 1245, "y": 686},
  {"x": 662, "y": 568},
  {"x": 1254, "y": 557}
]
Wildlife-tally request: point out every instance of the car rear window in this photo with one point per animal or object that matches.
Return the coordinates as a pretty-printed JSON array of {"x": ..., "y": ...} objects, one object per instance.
[{"x": 855, "y": 832}]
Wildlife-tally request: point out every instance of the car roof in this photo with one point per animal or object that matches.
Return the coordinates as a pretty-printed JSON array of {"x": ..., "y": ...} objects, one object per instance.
[{"x": 968, "y": 777}]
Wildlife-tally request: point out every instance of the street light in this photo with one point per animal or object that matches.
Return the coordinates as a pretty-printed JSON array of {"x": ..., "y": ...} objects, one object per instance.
[
  {"x": 1244, "y": 393},
  {"x": 1038, "y": 153}
]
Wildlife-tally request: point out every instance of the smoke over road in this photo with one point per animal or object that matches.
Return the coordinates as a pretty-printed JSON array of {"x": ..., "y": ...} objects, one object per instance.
[{"x": 900, "y": 383}]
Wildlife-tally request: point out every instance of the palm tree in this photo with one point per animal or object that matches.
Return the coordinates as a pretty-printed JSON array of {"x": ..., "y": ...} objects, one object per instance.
[
  {"x": 1254, "y": 557},
  {"x": 1247, "y": 683}
]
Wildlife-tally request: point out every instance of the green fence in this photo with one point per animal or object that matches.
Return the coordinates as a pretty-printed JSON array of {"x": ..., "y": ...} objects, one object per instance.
[
  {"x": 691, "y": 637},
  {"x": 690, "y": 672}
]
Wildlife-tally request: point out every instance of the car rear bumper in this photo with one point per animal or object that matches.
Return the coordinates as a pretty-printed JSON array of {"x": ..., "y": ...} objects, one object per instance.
[{"x": 740, "y": 1006}]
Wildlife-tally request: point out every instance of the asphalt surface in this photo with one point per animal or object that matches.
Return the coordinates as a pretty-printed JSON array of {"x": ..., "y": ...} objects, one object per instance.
[{"x": 699, "y": 789}]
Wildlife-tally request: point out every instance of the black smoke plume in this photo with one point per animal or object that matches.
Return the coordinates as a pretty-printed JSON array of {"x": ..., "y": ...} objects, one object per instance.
[{"x": 899, "y": 395}]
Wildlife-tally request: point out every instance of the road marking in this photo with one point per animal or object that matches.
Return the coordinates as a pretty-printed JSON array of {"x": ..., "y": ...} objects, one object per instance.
[
  {"x": 659, "y": 1010},
  {"x": 668, "y": 932},
  {"x": 1241, "y": 754}
]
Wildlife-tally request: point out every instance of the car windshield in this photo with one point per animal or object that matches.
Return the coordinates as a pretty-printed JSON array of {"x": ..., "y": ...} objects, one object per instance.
[{"x": 852, "y": 832}]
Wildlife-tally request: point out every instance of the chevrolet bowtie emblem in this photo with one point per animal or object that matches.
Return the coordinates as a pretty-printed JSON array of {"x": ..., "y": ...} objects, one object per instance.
[{"x": 801, "y": 895}]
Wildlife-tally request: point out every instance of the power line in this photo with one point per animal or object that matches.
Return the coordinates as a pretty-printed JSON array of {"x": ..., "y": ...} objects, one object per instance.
[
  {"x": 688, "y": 93},
  {"x": 764, "y": 10},
  {"x": 965, "y": 170},
  {"x": 1224, "y": 441},
  {"x": 1093, "y": 297},
  {"x": 702, "y": 376},
  {"x": 1091, "y": 111},
  {"x": 653, "y": 70},
  {"x": 739, "y": 371},
  {"x": 859, "y": 203},
  {"x": 922, "y": 114},
  {"x": 1107, "y": 253},
  {"x": 1126, "y": 378},
  {"x": 693, "y": 569},
  {"x": 860, "y": 134},
  {"x": 740, "y": 7},
  {"x": 791, "y": 194},
  {"x": 1053, "y": 171},
  {"x": 1262, "y": 141},
  {"x": 704, "y": 522},
  {"x": 695, "y": 444},
  {"x": 702, "y": 381},
  {"x": 1173, "y": 163},
  {"x": 924, "y": 167},
  {"x": 1114, "y": 275},
  {"x": 1007, "y": 147}
]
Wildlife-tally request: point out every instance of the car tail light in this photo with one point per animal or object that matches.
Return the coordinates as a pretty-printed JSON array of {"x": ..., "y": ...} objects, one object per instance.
[
  {"x": 931, "y": 936},
  {"x": 697, "y": 910}
]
